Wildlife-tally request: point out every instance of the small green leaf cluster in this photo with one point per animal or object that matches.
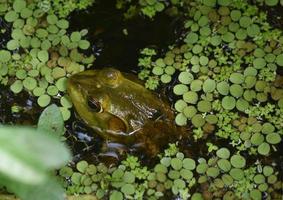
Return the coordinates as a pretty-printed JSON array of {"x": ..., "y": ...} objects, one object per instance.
[
  {"x": 270, "y": 2},
  {"x": 230, "y": 175},
  {"x": 145, "y": 62},
  {"x": 63, "y": 8},
  {"x": 150, "y": 7},
  {"x": 162, "y": 69},
  {"x": 213, "y": 78},
  {"x": 85, "y": 179},
  {"x": 176, "y": 173},
  {"x": 222, "y": 174},
  {"x": 130, "y": 180},
  {"x": 256, "y": 136},
  {"x": 114, "y": 182},
  {"x": 228, "y": 65},
  {"x": 41, "y": 55}
]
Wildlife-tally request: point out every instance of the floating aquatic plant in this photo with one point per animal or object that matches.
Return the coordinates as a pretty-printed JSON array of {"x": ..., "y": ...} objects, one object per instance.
[
  {"x": 50, "y": 54},
  {"x": 228, "y": 64}
]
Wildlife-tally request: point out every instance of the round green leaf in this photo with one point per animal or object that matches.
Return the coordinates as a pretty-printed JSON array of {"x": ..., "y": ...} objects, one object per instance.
[
  {"x": 185, "y": 77},
  {"x": 238, "y": 161},
  {"x": 228, "y": 102},
  {"x": 196, "y": 85},
  {"x": 191, "y": 38},
  {"x": 223, "y": 153},
  {"x": 201, "y": 168},
  {"x": 52, "y": 19},
  {"x": 181, "y": 119},
  {"x": 268, "y": 171},
  {"x": 180, "y": 89},
  {"x": 75, "y": 36},
  {"x": 237, "y": 174},
  {"x": 204, "y": 106},
  {"x": 176, "y": 163},
  {"x": 271, "y": 2},
  {"x": 255, "y": 194},
  {"x": 17, "y": 86},
  {"x": 190, "y": 97},
  {"x": 209, "y": 85},
  {"x": 236, "y": 78},
  {"x": 227, "y": 179},
  {"x": 212, "y": 172},
  {"x": 189, "y": 164},
  {"x": 186, "y": 174},
  {"x": 18, "y": 5},
  {"x": 259, "y": 63},
  {"x": 43, "y": 100},
  {"x": 273, "y": 138},
  {"x": 128, "y": 189},
  {"x": 224, "y": 165},
  {"x": 236, "y": 90},
  {"x": 84, "y": 44},
  {"x": 242, "y": 105},
  {"x": 279, "y": 60},
  {"x": 223, "y": 88},
  {"x": 267, "y": 128},
  {"x": 198, "y": 120},
  {"x": 5, "y": 56},
  {"x": 189, "y": 111},
  {"x": 257, "y": 139},
  {"x": 82, "y": 166},
  {"x": 264, "y": 149},
  {"x": 129, "y": 177},
  {"x": 180, "y": 105},
  {"x": 11, "y": 16},
  {"x": 12, "y": 45},
  {"x": 157, "y": 70},
  {"x": 116, "y": 195},
  {"x": 30, "y": 83},
  {"x": 43, "y": 55},
  {"x": 253, "y": 30}
]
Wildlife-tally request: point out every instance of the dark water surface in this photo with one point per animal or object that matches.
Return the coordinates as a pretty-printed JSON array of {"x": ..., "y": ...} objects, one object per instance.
[{"x": 112, "y": 47}]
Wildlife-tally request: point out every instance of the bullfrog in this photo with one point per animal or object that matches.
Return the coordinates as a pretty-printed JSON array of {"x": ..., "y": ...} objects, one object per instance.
[{"x": 122, "y": 111}]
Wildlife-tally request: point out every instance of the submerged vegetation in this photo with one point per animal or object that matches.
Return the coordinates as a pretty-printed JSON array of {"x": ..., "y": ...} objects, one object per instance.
[{"x": 224, "y": 75}]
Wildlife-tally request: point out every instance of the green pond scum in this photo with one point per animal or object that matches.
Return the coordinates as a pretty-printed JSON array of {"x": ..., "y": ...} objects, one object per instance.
[{"x": 222, "y": 73}]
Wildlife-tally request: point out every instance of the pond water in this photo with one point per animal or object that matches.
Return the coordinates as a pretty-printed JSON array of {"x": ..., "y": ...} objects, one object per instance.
[{"x": 117, "y": 42}]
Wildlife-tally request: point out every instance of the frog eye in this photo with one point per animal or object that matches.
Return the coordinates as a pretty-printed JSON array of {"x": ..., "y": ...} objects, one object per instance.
[
  {"x": 94, "y": 105},
  {"x": 111, "y": 77}
]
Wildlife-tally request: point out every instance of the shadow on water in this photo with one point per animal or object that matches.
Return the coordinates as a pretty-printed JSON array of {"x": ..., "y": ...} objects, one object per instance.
[{"x": 112, "y": 47}]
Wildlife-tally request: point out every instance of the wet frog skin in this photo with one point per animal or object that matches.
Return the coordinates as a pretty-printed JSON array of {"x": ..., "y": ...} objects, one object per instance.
[{"x": 122, "y": 111}]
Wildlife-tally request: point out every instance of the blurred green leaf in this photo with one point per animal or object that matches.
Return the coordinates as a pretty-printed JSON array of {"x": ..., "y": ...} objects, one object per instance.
[
  {"x": 47, "y": 190},
  {"x": 51, "y": 121},
  {"x": 26, "y": 154}
]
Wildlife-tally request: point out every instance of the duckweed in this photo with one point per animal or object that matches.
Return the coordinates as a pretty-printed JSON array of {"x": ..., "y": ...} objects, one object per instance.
[
  {"x": 225, "y": 80},
  {"x": 229, "y": 70},
  {"x": 37, "y": 39}
]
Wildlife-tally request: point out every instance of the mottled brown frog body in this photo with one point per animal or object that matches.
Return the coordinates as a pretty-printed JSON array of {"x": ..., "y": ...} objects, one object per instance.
[{"x": 121, "y": 110}]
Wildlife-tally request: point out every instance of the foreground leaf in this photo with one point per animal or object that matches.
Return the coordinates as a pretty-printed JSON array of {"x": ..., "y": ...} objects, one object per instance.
[
  {"x": 51, "y": 120},
  {"x": 47, "y": 190},
  {"x": 26, "y": 154}
]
